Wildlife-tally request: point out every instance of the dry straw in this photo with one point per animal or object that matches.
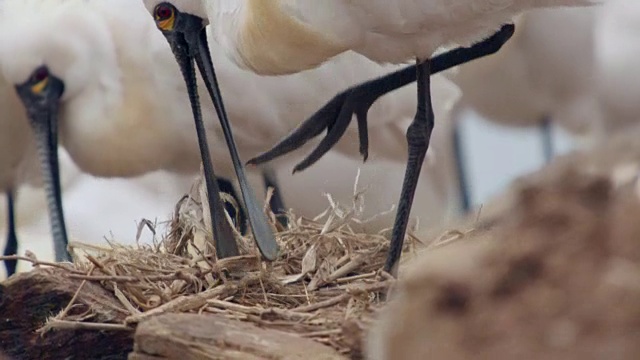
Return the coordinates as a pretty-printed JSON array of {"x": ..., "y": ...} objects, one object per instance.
[{"x": 326, "y": 284}]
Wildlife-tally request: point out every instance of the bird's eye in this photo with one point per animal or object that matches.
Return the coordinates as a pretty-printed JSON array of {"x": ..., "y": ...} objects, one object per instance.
[
  {"x": 39, "y": 80},
  {"x": 40, "y": 74},
  {"x": 163, "y": 12},
  {"x": 165, "y": 16}
]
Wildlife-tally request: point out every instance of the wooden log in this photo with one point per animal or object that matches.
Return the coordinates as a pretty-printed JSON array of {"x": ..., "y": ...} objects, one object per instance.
[
  {"x": 28, "y": 299},
  {"x": 190, "y": 336}
]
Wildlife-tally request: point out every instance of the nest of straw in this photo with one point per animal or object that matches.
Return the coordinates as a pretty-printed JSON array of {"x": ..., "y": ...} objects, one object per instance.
[{"x": 325, "y": 285}]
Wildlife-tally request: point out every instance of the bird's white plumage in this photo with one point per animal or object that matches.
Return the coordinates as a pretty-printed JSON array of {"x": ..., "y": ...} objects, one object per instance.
[
  {"x": 263, "y": 108},
  {"x": 116, "y": 119},
  {"x": 124, "y": 91},
  {"x": 306, "y": 33}
]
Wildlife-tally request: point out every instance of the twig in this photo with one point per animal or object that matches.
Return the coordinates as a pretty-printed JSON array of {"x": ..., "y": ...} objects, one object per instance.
[
  {"x": 342, "y": 297},
  {"x": 76, "y": 325},
  {"x": 323, "y": 304},
  {"x": 178, "y": 275},
  {"x": 351, "y": 266},
  {"x": 322, "y": 333},
  {"x": 36, "y": 262},
  {"x": 183, "y": 303},
  {"x": 356, "y": 277},
  {"x": 123, "y": 300},
  {"x": 286, "y": 314},
  {"x": 235, "y": 307},
  {"x": 343, "y": 270}
]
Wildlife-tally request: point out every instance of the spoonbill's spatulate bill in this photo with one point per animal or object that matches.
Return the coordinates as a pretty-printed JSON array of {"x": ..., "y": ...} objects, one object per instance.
[
  {"x": 224, "y": 240},
  {"x": 41, "y": 94},
  {"x": 188, "y": 40}
]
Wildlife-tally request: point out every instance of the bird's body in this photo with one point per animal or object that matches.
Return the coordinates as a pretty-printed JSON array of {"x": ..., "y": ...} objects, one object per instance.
[
  {"x": 127, "y": 112},
  {"x": 284, "y": 36},
  {"x": 112, "y": 124},
  {"x": 262, "y": 109}
]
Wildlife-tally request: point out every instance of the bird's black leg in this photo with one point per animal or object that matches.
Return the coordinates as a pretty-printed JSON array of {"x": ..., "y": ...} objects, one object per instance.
[
  {"x": 336, "y": 115},
  {"x": 11, "y": 248},
  {"x": 418, "y": 137},
  {"x": 276, "y": 203},
  {"x": 547, "y": 139},
  {"x": 463, "y": 186},
  {"x": 238, "y": 215}
]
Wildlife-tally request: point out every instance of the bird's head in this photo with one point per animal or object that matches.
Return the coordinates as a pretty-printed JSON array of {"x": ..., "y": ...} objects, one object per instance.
[
  {"x": 51, "y": 50},
  {"x": 174, "y": 15}
]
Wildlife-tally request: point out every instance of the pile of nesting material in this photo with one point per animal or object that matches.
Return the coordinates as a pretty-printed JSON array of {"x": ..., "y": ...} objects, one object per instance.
[{"x": 325, "y": 286}]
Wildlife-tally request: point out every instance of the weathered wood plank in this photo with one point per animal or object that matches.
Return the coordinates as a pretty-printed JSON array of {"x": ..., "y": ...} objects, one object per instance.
[{"x": 190, "y": 336}]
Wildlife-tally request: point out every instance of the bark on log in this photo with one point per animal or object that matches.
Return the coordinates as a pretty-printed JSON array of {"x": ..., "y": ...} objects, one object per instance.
[
  {"x": 28, "y": 299},
  {"x": 190, "y": 336}
]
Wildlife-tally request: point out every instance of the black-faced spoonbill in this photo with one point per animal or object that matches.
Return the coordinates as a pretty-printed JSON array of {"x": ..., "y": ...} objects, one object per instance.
[
  {"x": 278, "y": 38},
  {"x": 289, "y": 98},
  {"x": 96, "y": 83},
  {"x": 188, "y": 50}
]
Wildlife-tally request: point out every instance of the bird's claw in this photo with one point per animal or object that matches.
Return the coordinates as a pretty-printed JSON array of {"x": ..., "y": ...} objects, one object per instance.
[{"x": 334, "y": 117}]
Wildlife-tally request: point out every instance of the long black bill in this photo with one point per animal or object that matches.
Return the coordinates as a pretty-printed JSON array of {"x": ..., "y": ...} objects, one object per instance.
[
  {"x": 224, "y": 239},
  {"x": 193, "y": 32},
  {"x": 44, "y": 124},
  {"x": 262, "y": 232},
  {"x": 40, "y": 95}
]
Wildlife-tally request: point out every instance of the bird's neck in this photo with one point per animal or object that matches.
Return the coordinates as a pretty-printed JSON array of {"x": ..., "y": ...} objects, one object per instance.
[{"x": 271, "y": 41}]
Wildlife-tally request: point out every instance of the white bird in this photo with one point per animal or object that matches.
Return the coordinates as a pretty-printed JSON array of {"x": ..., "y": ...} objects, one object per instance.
[
  {"x": 282, "y": 37},
  {"x": 101, "y": 78},
  {"x": 261, "y": 117}
]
